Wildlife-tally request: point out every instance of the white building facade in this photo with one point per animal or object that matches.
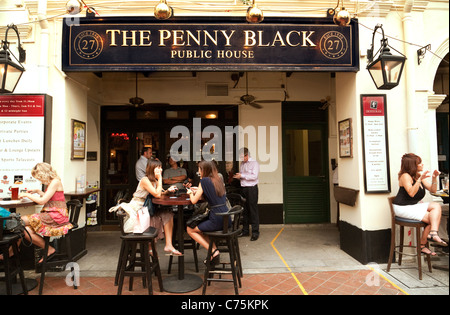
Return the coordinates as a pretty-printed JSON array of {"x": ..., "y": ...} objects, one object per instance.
[{"x": 90, "y": 97}]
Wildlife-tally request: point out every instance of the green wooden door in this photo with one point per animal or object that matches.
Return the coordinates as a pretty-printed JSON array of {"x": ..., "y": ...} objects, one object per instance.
[{"x": 305, "y": 173}]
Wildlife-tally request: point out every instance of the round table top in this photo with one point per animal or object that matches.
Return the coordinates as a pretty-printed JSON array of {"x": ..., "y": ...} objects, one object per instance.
[{"x": 172, "y": 200}]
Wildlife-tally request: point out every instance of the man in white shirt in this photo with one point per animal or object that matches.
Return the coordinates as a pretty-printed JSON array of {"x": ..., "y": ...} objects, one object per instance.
[
  {"x": 248, "y": 175},
  {"x": 141, "y": 164}
]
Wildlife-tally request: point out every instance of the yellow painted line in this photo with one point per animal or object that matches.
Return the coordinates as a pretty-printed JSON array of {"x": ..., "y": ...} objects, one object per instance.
[
  {"x": 393, "y": 284},
  {"x": 285, "y": 263}
]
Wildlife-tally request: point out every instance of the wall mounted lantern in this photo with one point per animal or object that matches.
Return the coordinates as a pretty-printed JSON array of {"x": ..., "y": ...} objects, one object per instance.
[
  {"x": 387, "y": 69},
  {"x": 10, "y": 71}
]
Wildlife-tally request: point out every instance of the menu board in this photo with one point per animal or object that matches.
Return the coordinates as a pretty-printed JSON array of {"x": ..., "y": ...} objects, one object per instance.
[
  {"x": 375, "y": 144},
  {"x": 22, "y": 141}
]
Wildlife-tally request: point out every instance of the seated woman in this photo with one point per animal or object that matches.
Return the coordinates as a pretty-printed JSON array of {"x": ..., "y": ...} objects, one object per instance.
[
  {"x": 162, "y": 220},
  {"x": 408, "y": 202},
  {"x": 212, "y": 188},
  {"x": 53, "y": 219}
]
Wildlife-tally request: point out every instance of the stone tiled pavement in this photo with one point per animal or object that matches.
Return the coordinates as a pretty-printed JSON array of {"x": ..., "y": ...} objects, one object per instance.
[{"x": 286, "y": 260}]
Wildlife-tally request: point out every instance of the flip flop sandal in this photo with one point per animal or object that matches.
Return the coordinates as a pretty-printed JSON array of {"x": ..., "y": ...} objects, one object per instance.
[
  {"x": 426, "y": 250},
  {"x": 174, "y": 252}
]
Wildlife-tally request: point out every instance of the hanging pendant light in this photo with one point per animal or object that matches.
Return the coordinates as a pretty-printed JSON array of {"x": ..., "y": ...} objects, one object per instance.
[
  {"x": 74, "y": 7},
  {"x": 341, "y": 15},
  {"x": 163, "y": 11},
  {"x": 254, "y": 14}
]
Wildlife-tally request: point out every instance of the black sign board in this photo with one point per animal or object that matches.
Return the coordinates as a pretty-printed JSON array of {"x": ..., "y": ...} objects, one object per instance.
[{"x": 200, "y": 44}]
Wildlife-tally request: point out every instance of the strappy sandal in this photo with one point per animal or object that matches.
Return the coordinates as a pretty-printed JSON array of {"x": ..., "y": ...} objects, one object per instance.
[
  {"x": 425, "y": 250},
  {"x": 215, "y": 260},
  {"x": 434, "y": 237}
]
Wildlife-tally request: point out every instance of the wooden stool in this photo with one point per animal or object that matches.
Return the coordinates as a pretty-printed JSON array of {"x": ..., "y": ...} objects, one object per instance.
[
  {"x": 229, "y": 234},
  {"x": 129, "y": 261},
  {"x": 65, "y": 257},
  {"x": 418, "y": 225}
]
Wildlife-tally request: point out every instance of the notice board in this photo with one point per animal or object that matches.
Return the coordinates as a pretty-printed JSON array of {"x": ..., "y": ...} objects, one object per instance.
[
  {"x": 375, "y": 144},
  {"x": 25, "y": 128}
]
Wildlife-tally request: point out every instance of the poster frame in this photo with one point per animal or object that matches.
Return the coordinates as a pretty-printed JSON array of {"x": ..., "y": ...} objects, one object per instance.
[
  {"x": 369, "y": 189},
  {"x": 75, "y": 141}
]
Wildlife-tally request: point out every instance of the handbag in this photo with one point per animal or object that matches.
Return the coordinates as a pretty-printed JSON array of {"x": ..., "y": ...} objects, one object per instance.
[
  {"x": 142, "y": 221},
  {"x": 14, "y": 224},
  {"x": 149, "y": 204},
  {"x": 201, "y": 214}
]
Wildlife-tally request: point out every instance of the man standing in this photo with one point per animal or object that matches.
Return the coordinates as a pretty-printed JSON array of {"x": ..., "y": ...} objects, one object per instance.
[
  {"x": 248, "y": 176},
  {"x": 141, "y": 164}
]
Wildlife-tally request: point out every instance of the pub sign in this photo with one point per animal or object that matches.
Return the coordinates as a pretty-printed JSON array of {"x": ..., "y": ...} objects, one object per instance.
[{"x": 203, "y": 44}]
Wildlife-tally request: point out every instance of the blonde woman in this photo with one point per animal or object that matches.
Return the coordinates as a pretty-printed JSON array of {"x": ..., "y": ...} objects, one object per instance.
[{"x": 53, "y": 220}]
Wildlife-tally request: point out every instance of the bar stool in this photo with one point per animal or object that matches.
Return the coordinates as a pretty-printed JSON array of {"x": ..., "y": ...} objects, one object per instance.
[
  {"x": 234, "y": 199},
  {"x": 64, "y": 257},
  {"x": 229, "y": 234},
  {"x": 11, "y": 265},
  {"x": 418, "y": 225},
  {"x": 134, "y": 252}
]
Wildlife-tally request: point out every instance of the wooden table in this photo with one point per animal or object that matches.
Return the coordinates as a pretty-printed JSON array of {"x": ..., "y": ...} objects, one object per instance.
[
  {"x": 12, "y": 205},
  {"x": 81, "y": 194},
  {"x": 182, "y": 282}
]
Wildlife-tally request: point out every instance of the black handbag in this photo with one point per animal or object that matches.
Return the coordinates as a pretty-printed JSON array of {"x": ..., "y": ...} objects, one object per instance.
[
  {"x": 201, "y": 214},
  {"x": 14, "y": 224}
]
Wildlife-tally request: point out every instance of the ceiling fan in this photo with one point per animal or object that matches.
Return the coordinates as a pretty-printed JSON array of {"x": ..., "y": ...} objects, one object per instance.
[
  {"x": 248, "y": 99},
  {"x": 139, "y": 102}
]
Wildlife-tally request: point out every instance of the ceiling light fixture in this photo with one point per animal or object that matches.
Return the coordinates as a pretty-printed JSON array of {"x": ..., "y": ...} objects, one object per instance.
[
  {"x": 74, "y": 7},
  {"x": 163, "y": 11},
  {"x": 341, "y": 15}
]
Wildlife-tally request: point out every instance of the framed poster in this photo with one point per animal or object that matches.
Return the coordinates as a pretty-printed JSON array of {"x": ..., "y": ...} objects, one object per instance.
[
  {"x": 345, "y": 138},
  {"x": 78, "y": 139},
  {"x": 375, "y": 144}
]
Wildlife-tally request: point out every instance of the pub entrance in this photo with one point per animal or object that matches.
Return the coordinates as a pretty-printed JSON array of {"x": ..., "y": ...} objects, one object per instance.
[
  {"x": 126, "y": 130},
  {"x": 305, "y": 163}
]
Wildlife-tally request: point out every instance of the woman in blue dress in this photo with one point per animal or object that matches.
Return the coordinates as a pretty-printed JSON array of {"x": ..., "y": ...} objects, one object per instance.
[{"x": 212, "y": 188}]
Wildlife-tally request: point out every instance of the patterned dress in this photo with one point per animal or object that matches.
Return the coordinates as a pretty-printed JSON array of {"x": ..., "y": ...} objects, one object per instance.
[{"x": 53, "y": 220}]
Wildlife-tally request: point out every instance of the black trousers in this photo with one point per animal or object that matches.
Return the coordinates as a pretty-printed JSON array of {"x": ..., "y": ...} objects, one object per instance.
[{"x": 251, "y": 214}]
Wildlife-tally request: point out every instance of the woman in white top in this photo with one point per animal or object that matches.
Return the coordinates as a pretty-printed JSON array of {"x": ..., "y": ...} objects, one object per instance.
[{"x": 162, "y": 220}]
